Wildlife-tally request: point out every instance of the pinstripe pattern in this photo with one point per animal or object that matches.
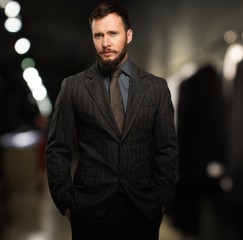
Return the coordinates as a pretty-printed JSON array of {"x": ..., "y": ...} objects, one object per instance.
[{"x": 142, "y": 159}]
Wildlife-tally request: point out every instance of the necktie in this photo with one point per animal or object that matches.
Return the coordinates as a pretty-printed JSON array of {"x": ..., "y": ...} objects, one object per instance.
[{"x": 116, "y": 98}]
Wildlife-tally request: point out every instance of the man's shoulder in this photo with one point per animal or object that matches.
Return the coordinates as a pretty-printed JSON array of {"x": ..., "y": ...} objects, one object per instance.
[{"x": 148, "y": 76}]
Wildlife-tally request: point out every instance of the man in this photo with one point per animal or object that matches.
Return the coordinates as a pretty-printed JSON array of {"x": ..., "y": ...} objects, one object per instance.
[{"x": 126, "y": 170}]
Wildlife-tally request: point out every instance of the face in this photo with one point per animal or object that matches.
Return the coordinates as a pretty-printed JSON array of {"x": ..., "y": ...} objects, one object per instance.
[{"x": 110, "y": 40}]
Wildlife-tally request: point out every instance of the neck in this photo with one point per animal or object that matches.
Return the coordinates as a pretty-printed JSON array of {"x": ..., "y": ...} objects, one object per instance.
[{"x": 123, "y": 60}]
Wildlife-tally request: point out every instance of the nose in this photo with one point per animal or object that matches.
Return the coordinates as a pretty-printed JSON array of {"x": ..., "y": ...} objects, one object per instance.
[{"x": 106, "y": 42}]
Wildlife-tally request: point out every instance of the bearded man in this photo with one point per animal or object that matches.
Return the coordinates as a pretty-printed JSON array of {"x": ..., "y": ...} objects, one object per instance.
[{"x": 127, "y": 164}]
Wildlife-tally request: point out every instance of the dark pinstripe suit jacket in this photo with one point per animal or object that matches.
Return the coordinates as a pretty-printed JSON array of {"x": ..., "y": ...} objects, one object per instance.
[{"x": 142, "y": 160}]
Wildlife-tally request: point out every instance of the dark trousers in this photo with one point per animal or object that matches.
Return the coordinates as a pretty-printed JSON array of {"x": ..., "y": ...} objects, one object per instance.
[{"x": 123, "y": 221}]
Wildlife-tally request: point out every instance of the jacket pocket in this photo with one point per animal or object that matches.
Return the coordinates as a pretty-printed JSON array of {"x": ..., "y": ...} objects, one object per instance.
[{"x": 144, "y": 119}]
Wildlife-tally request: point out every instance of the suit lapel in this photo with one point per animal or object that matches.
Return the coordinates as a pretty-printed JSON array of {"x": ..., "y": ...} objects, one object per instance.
[
  {"x": 137, "y": 90},
  {"x": 96, "y": 88}
]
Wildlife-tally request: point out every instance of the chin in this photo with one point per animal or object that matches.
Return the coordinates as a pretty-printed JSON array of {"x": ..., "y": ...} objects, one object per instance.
[{"x": 107, "y": 59}]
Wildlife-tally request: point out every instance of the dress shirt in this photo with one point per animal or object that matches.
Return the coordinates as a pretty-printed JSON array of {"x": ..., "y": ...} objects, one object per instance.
[{"x": 123, "y": 80}]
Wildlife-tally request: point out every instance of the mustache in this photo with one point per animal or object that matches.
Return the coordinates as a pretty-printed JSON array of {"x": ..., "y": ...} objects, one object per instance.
[{"x": 107, "y": 50}]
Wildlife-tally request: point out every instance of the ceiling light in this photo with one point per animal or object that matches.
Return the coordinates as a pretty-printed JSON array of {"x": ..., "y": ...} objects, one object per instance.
[
  {"x": 12, "y": 9},
  {"x": 22, "y": 46},
  {"x": 13, "y": 24}
]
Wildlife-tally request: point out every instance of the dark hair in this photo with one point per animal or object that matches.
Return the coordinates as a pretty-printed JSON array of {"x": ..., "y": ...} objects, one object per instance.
[{"x": 104, "y": 9}]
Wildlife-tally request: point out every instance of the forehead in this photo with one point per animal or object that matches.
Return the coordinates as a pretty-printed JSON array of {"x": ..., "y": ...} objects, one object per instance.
[{"x": 110, "y": 22}]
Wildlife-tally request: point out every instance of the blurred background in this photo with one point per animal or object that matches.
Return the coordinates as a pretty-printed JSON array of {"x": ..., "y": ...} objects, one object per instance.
[{"x": 195, "y": 45}]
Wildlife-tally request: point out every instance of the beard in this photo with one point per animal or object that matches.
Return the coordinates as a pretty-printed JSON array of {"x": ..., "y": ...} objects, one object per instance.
[{"x": 108, "y": 65}]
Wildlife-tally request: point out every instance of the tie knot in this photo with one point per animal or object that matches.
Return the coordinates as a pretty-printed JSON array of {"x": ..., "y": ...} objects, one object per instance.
[{"x": 115, "y": 73}]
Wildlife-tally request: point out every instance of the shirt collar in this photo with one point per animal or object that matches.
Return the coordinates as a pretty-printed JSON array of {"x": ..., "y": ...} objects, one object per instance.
[{"x": 126, "y": 68}]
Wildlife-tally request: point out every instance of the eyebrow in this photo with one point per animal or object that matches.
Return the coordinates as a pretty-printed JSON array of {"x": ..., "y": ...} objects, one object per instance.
[{"x": 109, "y": 32}]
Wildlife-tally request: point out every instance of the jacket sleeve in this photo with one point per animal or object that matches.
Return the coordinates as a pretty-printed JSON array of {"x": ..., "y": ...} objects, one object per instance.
[
  {"x": 166, "y": 147},
  {"x": 58, "y": 152}
]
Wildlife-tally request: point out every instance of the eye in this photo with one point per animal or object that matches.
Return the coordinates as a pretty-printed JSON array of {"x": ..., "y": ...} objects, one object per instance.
[
  {"x": 113, "y": 34},
  {"x": 98, "y": 35}
]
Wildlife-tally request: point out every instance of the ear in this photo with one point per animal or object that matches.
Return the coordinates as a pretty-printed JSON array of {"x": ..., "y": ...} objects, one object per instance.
[{"x": 129, "y": 35}]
